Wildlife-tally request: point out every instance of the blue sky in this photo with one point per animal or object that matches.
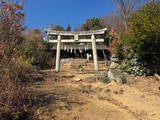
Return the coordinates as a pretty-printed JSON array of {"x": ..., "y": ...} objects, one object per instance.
[{"x": 63, "y": 12}]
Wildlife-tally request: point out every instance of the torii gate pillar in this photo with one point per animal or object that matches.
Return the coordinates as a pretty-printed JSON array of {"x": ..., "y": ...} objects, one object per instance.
[
  {"x": 58, "y": 54},
  {"x": 94, "y": 49}
]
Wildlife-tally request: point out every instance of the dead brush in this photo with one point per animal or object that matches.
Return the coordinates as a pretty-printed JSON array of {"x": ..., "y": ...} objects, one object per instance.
[{"x": 15, "y": 99}]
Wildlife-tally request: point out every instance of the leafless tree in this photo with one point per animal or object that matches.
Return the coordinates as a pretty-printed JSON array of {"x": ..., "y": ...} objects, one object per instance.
[
  {"x": 11, "y": 18},
  {"x": 117, "y": 21}
]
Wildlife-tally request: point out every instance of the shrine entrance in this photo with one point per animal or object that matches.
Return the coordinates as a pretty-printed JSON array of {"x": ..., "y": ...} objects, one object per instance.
[{"x": 81, "y": 41}]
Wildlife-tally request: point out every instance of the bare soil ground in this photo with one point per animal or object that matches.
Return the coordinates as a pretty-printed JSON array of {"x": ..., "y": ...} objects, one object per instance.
[{"x": 59, "y": 97}]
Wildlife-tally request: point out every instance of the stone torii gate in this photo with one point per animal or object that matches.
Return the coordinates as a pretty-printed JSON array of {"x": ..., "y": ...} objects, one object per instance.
[{"x": 75, "y": 37}]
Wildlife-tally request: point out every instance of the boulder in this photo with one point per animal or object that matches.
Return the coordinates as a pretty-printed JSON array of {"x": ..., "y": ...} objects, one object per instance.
[
  {"x": 90, "y": 79},
  {"x": 103, "y": 77},
  {"x": 119, "y": 76}
]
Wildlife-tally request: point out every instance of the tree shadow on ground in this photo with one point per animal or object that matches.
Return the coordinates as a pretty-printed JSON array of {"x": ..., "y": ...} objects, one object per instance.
[{"x": 55, "y": 98}]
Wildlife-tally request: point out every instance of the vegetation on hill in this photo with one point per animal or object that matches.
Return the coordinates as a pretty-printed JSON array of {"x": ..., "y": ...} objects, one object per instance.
[
  {"x": 134, "y": 31},
  {"x": 142, "y": 41}
]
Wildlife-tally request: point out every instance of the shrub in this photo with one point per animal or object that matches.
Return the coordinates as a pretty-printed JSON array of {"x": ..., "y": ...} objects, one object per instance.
[
  {"x": 37, "y": 51},
  {"x": 44, "y": 58},
  {"x": 135, "y": 66},
  {"x": 14, "y": 96}
]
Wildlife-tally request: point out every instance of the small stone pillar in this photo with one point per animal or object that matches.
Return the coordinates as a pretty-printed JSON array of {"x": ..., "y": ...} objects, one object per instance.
[
  {"x": 114, "y": 62},
  {"x": 58, "y": 54},
  {"x": 88, "y": 56},
  {"x": 94, "y": 49}
]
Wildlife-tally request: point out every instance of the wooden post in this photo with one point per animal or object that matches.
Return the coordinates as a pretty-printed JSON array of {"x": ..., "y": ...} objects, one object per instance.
[
  {"x": 58, "y": 54},
  {"x": 94, "y": 49}
]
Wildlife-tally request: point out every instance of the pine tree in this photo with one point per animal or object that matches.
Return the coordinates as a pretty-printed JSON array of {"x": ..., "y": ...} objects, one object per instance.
[{"x": 68, "y": 27}]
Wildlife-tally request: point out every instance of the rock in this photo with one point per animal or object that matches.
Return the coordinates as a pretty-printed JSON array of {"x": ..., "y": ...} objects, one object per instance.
[
  {"x": 149, "y": 72},
  {"x": 86, "y": 89},
  {"x": 116, "y": 75},
  {"x": 90, "y": 79},
  {"x": 81, "y": 69},
  {"x": 102, "y": 97},
  {"x": 107, "y": 90},
  {"x": 68, "y": 76},
  {"x": 77, "y": 80},
  {"x": 35, "y": 68},
  {"x": 37, "y": 77},
  {"x": 119, "y": 76},
  {"x": 118, "y": 91},
  {"x": 103, "y": 77}
]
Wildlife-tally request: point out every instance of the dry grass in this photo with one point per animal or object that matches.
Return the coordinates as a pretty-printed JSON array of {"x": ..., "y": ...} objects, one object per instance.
[{"x": 66, "y": 100}]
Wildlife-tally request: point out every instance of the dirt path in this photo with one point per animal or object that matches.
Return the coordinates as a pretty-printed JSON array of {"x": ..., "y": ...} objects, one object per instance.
[{"x": 66, "y": 99}]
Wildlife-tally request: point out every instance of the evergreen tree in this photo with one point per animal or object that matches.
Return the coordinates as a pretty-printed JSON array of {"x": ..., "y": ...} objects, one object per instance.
[
  {"x": 92, "y": 24},
  {"x": 58, "y": 28},
  {"x": 68, "y": 27}
]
